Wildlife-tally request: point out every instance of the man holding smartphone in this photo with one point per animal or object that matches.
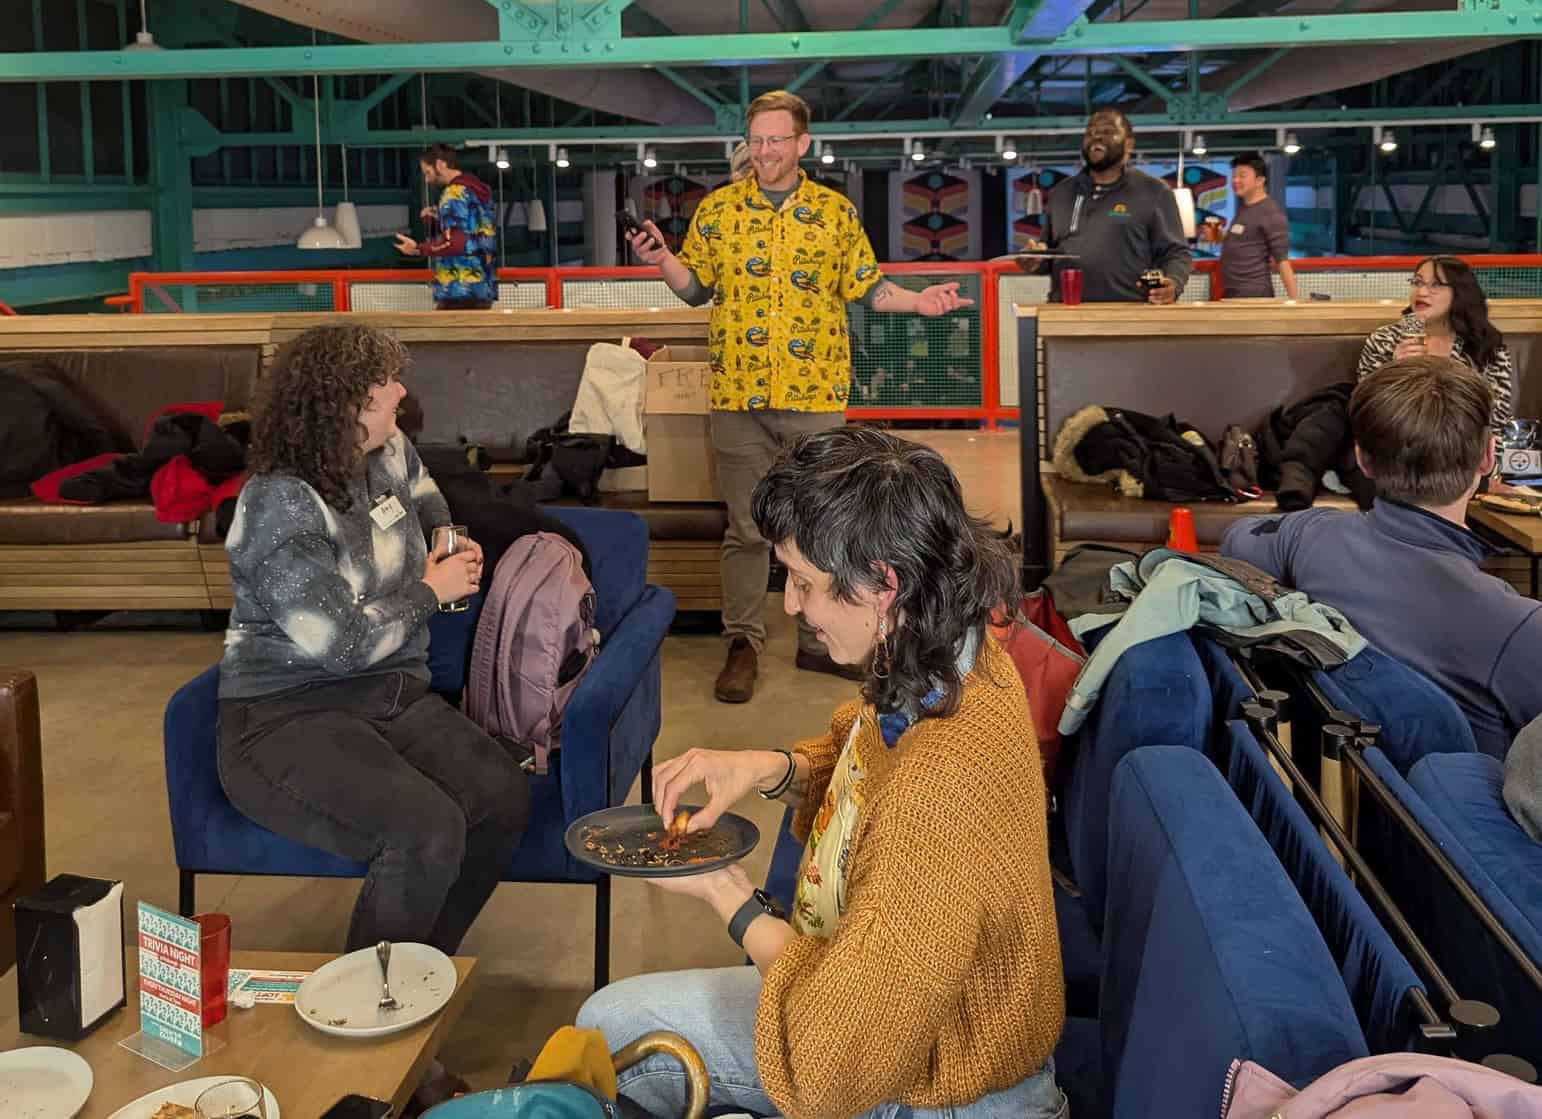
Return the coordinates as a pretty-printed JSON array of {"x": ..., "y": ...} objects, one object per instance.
[
  {"x": 778, "y": 257},
  {"x": 464, "y": 251}
]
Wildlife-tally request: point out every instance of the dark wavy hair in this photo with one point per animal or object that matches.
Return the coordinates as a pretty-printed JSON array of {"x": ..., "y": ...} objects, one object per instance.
[
  {"x": 855, "y": 500},
  {"x": 307, "y": 408},
  {"x": 1469, "y": 309}
]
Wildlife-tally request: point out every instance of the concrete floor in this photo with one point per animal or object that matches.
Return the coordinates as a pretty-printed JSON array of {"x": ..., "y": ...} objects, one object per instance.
[{"x": 103, "y": 691}]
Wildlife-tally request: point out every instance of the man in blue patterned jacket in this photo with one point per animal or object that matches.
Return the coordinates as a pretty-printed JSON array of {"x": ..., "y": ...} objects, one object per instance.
[{"x": 464, "y": 249}]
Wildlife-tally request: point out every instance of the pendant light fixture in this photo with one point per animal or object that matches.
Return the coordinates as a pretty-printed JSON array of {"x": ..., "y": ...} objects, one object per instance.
[
  {"x": 143, "y": 40},
  {"x": 347, "y": 214},
  {"x": 320, "y": 235}
]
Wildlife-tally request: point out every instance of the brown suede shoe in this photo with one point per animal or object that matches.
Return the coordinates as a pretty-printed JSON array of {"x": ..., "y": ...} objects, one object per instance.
[
  {"x": 822, "y": 662},
  {"x": 736, "y": 683}
]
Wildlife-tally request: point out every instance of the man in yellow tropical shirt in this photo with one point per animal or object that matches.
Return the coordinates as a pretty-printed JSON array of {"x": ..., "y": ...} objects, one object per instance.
[{"x": 779, "y": 258}]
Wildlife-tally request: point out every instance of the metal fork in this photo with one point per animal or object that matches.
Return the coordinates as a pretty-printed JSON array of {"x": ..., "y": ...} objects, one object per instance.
[{"x": 383, "y": 953}]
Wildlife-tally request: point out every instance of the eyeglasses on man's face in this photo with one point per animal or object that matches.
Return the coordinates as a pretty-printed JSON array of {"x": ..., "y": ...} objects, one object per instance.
[
  {"x": 758, "y": 142},
  {"x": 1419, "y": 283}
]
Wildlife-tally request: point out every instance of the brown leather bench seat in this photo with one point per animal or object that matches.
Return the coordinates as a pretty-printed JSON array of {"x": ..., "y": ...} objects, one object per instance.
[
  {"x": 25, "y": 520},
  {"x": 96, "y": 557},
  {"x": 1080, "y": 513}
]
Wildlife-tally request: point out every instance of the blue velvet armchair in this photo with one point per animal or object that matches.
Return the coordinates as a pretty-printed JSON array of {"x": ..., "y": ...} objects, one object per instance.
[{"x": 608, "y": 731}]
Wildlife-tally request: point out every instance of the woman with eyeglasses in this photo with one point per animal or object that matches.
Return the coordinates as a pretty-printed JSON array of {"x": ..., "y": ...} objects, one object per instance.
[{"x": 1447, "y": 316}]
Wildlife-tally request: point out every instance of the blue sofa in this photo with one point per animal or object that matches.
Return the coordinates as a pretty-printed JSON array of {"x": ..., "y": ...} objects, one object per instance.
[
  {"x": 1378, "y": 977},
  {"x": 608, "y": 731},
  {"x": 1457, "y": 800},
  {"x": 1209, "y": 955},
  {"x": 1156, "y": 693}
]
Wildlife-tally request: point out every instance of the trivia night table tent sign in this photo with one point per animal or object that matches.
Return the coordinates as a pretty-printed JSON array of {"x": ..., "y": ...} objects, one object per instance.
[{"x": 170, "y": 979}]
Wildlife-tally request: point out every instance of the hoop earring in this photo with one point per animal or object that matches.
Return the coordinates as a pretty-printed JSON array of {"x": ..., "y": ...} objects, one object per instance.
[{"x": 883, "y": 655}]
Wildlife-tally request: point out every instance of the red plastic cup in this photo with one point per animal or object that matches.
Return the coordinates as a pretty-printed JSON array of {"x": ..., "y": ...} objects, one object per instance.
[
  {"x": 1180, "y": 531},
  {"x": 215, "y": 959},
  {"x": 1071, "y": 286}
]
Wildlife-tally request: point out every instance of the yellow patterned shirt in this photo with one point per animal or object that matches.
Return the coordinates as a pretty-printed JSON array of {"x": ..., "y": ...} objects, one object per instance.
[{"x": 781, "y": 279}]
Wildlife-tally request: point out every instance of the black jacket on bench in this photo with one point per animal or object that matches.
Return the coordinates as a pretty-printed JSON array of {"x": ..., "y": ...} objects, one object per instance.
[{"x": 44, "y": 424}]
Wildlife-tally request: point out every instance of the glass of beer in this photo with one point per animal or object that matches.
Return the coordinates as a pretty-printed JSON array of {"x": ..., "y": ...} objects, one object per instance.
[{"x": 449, "y": 539}]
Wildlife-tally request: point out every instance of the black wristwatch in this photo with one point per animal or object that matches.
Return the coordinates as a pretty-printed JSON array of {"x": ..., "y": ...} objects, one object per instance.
[{"x": 759, "y": 903}]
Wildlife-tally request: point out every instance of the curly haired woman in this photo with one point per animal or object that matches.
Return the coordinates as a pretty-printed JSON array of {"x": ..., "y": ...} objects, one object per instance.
[
  {"x": 919, "y": 976},
  {"x": 328, "y": 733}
]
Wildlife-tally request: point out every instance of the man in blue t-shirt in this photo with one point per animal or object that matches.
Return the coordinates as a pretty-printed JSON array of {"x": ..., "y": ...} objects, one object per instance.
[{"x": 1406, "y": 573}]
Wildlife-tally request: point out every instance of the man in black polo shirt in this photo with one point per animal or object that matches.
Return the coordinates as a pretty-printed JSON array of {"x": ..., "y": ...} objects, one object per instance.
[
  {"x": 1406, "y": 573},
  {"x": 1258, "y": 238},
  {"x": 1119, "y": 222}
]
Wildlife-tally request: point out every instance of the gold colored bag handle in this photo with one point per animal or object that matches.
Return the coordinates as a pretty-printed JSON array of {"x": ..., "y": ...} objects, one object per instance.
[{"x": 663, "y": 1041}]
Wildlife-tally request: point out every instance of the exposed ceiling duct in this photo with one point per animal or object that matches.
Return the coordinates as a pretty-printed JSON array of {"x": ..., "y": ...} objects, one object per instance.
[
  {"x": 1307, "y": 72},
  {"x": 1327, "y": 69}
]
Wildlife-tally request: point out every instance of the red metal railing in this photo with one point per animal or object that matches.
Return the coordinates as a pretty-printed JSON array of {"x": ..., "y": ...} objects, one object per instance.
[{"x": 150, "y": 288}]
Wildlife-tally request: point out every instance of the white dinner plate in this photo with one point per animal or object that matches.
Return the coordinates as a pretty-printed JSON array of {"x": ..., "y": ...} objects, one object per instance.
[
  {"x": 342, "y": 998},
  {"x": 186, "y": 1094},
  {"x": 43, "y": 1082}
]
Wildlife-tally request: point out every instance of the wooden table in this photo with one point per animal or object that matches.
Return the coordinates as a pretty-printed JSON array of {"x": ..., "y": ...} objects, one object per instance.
[
  {"x": 1522, "y": 530},
  {"x": 306, "y": 1070}
]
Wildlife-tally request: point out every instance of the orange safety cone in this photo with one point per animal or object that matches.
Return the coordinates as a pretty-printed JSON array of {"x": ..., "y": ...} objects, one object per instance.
[{"x": 1180, "y": 531}]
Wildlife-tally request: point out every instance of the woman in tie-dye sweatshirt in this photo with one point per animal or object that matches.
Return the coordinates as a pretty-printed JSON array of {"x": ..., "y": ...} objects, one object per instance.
[{"x": 328, "y": 732}]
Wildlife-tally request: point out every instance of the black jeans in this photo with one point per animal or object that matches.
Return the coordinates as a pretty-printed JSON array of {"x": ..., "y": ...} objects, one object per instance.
[
  {"x": 463, "y": 304},
  {"x": 378, "y": 768}
]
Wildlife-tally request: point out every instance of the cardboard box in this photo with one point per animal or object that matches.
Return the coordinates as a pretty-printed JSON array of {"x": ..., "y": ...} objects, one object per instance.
[{"x": 681, "y": 465}]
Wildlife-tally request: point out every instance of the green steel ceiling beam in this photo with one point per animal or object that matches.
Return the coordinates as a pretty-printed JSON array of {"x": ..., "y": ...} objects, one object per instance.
[
  {"x": 1255, "y": 71},
  {"x": 1144, "y": 78},
  {"x": 872, "y": 19},
  {"x": 1082, "y": 38},
  {"x": 1505, "y": 19},
  {"x": 690, "y": 87}
]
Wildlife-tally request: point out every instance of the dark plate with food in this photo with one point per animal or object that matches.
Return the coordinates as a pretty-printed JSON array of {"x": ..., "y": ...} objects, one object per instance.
[{"x": 634, "y": 842}]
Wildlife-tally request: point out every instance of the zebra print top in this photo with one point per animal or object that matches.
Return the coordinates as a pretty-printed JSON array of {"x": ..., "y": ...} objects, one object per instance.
[{"x": 1383, "y": 341}]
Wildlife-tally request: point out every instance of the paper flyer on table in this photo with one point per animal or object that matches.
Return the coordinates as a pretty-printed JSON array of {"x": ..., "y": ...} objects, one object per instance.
[
  {"x": 267, "y": 986},
  {"x": 170, "y": 984}
]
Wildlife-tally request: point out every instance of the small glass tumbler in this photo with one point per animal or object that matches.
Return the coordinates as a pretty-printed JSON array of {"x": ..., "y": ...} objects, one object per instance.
[
  {"x": 449, "y": 539},
  {"x": 232, "y": 1099}
]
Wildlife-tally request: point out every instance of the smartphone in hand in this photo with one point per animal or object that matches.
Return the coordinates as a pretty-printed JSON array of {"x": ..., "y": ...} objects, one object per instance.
[{"x": 631, "y": 226}]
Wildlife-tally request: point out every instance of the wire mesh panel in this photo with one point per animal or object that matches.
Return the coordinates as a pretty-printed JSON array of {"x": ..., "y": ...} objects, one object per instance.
[
  {"x": 1499, "y": 282},
  {"x": 1014, "y": 288},
  {"x": 908, "y": 361},
  {"x": 621, "y": 293},
  {"x": 208, "y": 297},
  {"x": 1511, "y": 282},
  {"x": 1385, "y": 284},
  {"x": 1197, "y": 290},
  {"x": 402, "y": 295},
  {"x": 399, "y": 296}
]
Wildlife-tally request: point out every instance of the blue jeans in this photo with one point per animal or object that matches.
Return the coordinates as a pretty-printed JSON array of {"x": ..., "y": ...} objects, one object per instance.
[{"x": 714, "y": 1009}]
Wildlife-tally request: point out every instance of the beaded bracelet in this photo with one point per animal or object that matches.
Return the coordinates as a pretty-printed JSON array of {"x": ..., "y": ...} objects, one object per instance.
[{"x": 785, "y": 783}]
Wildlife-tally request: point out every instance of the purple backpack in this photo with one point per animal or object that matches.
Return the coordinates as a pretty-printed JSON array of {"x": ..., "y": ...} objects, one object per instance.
[{"x": 534, "y": 642}]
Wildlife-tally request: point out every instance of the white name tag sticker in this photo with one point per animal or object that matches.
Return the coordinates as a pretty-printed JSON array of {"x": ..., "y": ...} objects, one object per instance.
[
  {"x": 387, "y": 511},
  {"x": 1238, "y": 229}
]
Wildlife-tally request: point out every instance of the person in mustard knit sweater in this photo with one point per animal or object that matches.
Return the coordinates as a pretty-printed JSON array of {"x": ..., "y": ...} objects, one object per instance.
[{"x": 918, "y": 975}]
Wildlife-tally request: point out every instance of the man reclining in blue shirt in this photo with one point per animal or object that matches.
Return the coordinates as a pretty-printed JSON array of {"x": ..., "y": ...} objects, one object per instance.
[{"x": 1406, "y": 573}]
